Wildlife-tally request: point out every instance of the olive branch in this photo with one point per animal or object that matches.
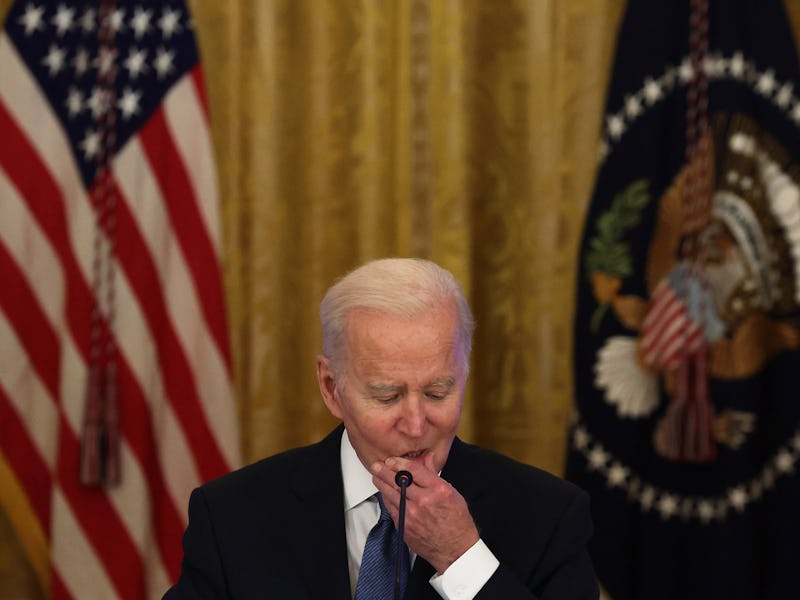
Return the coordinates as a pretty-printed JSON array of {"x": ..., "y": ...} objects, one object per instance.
[{"x": 608, "y": 252}]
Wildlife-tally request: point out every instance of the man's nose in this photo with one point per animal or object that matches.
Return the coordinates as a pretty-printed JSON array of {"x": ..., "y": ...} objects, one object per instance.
[{"x": 413, "y": 418}]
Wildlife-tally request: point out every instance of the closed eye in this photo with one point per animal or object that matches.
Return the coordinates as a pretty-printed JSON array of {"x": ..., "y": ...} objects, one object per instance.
[
  {"x": 388, "y": 399},
  {"x": 439, "y": 390},
  {"x": 385, "y": 393}
]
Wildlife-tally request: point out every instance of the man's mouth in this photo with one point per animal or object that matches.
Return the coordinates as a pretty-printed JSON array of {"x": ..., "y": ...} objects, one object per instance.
[{"x": 414, "y": 454}]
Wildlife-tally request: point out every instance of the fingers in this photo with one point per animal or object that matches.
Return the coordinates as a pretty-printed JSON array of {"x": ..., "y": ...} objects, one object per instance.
[
  {"x": 384, "y": 473},
  {"x": 438, "y": 524},
  {"x": 422, "y": 474}
]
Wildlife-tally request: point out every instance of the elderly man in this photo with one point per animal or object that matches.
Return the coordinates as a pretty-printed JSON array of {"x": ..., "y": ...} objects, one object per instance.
[{"x": 319, "y": 522}]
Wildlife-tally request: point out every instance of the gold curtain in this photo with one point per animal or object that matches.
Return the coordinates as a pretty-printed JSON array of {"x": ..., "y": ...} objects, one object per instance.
[{"x": 464, "y": 131}]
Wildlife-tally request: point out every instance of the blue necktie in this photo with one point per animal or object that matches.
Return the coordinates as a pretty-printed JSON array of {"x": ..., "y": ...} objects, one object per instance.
[{"x": 379, "y": 562}]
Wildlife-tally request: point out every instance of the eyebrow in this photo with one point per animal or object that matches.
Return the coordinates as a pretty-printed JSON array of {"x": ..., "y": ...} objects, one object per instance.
[
  {"x": 446, "y": 382},
  {"x": 385, "y": 388}
]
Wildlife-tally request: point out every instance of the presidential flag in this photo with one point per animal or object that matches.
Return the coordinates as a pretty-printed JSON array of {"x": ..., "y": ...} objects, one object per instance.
[
  {"x": 116, "y": 393},
  {"x": 687, "y": 328}
]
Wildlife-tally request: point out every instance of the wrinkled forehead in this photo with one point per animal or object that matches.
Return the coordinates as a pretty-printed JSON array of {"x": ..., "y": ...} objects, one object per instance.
[
  {"x": 374, "y": 334},
  {"x": 435, "y": 323}
]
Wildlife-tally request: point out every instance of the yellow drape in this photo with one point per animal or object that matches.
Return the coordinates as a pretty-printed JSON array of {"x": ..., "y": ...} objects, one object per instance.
[{"x": 464, "y": 131}]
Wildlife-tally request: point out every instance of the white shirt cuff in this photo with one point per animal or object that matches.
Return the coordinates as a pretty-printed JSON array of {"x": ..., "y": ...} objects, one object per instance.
[{"x": 467, "y": 575}]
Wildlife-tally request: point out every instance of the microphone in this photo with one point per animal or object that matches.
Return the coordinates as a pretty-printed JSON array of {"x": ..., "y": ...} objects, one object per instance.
[{"x": 403, "y": 479}]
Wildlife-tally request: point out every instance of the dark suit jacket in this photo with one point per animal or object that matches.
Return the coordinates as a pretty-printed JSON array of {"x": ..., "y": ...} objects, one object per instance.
[{"x": 275, "y": 529}]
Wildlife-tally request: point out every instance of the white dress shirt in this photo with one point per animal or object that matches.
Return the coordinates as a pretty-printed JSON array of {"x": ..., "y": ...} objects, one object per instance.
[{"x": 461, "y": 581}]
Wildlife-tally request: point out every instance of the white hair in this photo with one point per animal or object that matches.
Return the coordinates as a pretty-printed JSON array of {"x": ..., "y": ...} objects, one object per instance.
[{"x": 400, "y": 286}]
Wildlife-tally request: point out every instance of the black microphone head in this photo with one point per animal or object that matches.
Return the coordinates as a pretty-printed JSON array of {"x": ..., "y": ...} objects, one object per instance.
[{"x": 403, "y": 479}]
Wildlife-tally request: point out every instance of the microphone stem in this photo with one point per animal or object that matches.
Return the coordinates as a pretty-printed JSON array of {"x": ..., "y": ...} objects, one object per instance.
[{"x": 401, "y": 526}]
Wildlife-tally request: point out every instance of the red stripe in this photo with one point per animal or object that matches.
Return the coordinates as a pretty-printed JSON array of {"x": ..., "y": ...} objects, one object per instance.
[
  {"x": 25, "y": 460},
  {"x": 30, "y": 322},
  {"x": 188, "y": 226},
  {"x": 58, "y": 591},
  {"x": 180, "y": 386}
]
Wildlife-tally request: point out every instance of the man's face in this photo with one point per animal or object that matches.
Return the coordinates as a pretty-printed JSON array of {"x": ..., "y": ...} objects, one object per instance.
[{"x": 402, "y": 389}]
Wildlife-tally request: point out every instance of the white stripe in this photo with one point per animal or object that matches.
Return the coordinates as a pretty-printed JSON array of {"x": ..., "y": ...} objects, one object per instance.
[
  {"x": 29, "y": 397},
  {"x": 213, "y": 384},
  {"x": 173, "y": 454},
  {"x": 74, "y": 558},
  {"x": 157, "y": 579},
  {"x": 31, "y": 250},
  {"x": 186, "y": 121}
]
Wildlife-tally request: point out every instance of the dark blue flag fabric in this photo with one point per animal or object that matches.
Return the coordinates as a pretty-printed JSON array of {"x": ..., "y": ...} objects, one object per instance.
[{"x": 687, "y": 328}]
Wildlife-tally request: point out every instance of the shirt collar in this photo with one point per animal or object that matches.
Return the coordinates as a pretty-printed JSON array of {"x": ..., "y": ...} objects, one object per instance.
[{"x": 358, "y": 484}]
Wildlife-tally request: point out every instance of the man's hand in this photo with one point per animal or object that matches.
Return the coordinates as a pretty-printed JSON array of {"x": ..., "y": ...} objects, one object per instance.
[{"x": 438, "y": 525}]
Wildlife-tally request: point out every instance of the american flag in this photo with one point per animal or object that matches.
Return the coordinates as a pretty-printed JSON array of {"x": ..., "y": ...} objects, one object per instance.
[
  {"x": 669, "y": 333},
  {"x": 115, "y": 364}
]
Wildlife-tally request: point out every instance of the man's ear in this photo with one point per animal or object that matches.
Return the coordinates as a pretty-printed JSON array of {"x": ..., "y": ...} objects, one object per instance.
[{"x": 327, "y": 386}]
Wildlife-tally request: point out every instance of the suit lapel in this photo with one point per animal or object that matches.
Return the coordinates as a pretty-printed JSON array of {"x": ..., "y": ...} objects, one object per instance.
[
  {"x": 320, "y": 544},
  {"x": 460, "y": 472}
]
